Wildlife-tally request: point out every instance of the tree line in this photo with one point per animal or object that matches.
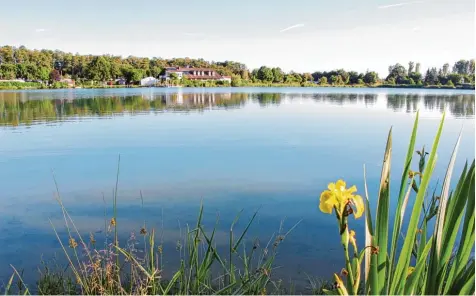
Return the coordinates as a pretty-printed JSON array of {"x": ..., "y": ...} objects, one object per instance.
[{"x": 50, "y": 66}]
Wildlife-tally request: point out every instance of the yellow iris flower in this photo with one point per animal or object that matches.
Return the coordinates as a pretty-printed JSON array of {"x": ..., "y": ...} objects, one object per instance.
[{"x": 340, "y": 197}]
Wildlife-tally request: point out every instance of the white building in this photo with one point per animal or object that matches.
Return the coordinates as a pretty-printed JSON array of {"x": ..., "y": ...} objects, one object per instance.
[
  {"x": 202, "y": 74},
  {"x": 149, "y": 81}
]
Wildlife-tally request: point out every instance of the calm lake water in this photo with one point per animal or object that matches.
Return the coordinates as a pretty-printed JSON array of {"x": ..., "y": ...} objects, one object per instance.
[{"x": 234, "y": 148}]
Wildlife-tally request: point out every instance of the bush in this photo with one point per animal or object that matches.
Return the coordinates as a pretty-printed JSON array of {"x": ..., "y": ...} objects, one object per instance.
[{"x": 57, "y": 85}]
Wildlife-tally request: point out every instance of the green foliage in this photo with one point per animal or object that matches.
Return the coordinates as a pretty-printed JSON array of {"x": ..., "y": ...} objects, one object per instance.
[
  {"x": 19, "y": 85},
  {"x": 278, "y": 75},
  {"x": 371, "y": 77},
  {"x": 32, "y": 65},
  {"x": 265, "y": 74},
  {"x": 99, "y": 69},
  {"x": 430, "y": 261}
]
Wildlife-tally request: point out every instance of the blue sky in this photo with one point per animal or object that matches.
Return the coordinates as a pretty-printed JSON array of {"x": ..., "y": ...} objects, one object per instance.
[{"x": 305, "y": 35}]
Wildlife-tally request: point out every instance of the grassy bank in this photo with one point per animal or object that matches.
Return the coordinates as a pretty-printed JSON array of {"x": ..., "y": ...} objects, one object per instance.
[{"x": 426, "y": 250}]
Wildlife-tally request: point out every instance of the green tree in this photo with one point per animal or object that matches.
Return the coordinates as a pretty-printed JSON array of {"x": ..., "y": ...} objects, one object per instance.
[
  {"x": 43, "y": 73},
  {"x": 371, "y": 77},
  {"x": 323, "y": 80},
  {"x": 278, "y": 75},
  {"x": 99, "y": 69},
  {"x": 236, "y": 80},
  {"x": 416, "y": 77},
  {"x": 245, "y": 74},
  {"x": 254, "y": 75},
  {"x": 431, "y": 77},
  {"x": 398, "y": 73},
  {"x": 21, "y": 71},
  {"x": 265, "y": 74},
  {"x": 354, "y": 77},
  {"x": 455, "y": 78},
  {"x": 7, "y": 55},
  {"x": 131, "y": 75},
  {"x": 411, "y": 66},
  {"x": 7, "y": 71},
  {"x": 462, "y": 67},
  {"x": 307, "y": 77}
]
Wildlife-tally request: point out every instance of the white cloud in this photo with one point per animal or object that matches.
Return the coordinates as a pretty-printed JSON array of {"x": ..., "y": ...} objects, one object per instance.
[
  {"x": 416, "y": 29},
  {"x": 40, "y": 30},
  {"x": 399, "y": 4},
  {"x": 292, "y": 27}
]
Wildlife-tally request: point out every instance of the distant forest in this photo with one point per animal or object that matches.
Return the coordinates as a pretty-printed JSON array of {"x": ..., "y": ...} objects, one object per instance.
[{"x": 49, "y": 66}]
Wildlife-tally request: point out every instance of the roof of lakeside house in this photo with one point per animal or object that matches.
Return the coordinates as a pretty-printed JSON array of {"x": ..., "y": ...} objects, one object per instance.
[
  {"x": 179, "y": 69},
  {"x": 204, "y": 76}
]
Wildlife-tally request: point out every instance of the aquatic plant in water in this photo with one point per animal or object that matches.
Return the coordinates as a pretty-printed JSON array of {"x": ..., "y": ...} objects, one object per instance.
[{"x": 429, "y": 261}]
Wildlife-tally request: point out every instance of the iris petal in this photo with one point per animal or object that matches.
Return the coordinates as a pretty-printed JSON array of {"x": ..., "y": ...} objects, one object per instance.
[{"x": 327, "y": 202}]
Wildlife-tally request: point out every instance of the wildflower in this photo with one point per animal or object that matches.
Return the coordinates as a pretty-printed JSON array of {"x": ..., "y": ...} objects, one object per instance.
[
  {"x": 72, "y": 243},
  {"x": 160, "y": 249},
  {"x": 113, "y": 221},
  {"x": 410, "y": 270},
  {"x": 340, "y": 198}
]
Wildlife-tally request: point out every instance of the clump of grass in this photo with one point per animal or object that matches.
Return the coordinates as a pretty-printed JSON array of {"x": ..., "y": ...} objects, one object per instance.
[{"x": 122, "y": 269}]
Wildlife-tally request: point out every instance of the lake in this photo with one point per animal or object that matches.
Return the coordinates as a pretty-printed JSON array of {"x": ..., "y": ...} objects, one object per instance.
[{"x": 272, "y": 149}]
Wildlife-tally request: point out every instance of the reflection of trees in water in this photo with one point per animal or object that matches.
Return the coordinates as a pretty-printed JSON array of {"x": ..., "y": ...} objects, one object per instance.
[
  {"x": 15, "y": 110},
  {"x": 399, "y": 102},
  {"x": 265, "y": 99},
  {"x": 458, "y": 105},
  {"x": 342, "y": 99},
  {"x": 338, "y": 98}
]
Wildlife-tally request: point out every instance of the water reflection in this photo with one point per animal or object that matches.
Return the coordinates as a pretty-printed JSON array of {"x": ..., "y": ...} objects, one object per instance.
[{"x": 20, "y": 108}]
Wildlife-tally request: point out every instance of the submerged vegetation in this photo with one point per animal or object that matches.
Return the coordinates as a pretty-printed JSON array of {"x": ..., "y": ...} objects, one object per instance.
[
  {"x": 48, "y": 66},
  {"x": 426, "y": 250}
]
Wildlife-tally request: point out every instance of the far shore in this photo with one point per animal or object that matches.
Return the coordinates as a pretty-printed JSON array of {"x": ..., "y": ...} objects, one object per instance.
[{"x": 310, "y": 85}]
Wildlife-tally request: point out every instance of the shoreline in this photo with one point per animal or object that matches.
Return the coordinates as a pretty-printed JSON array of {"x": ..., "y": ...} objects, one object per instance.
[{"x": 261, "y": 86}]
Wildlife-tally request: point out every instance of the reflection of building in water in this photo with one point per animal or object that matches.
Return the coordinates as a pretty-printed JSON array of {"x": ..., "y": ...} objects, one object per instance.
[{"x": 195, "y": 99}]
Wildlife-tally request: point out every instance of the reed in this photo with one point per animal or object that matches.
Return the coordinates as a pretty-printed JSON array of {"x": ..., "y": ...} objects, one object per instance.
[{"x": 425, "y": 258}]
